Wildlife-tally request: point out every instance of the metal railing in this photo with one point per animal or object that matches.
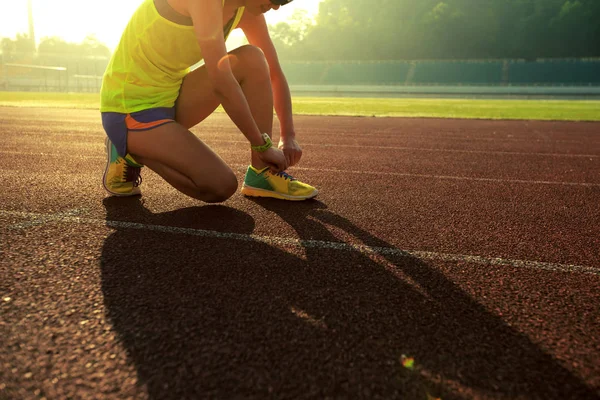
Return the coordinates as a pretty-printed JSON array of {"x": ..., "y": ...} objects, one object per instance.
[{"x": 51, "y": 72}]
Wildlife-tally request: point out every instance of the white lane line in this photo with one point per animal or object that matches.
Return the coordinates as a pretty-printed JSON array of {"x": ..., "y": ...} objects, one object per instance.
[
  {"x": 401, "y": 136},
  {"x": 316, "y": 244},
  {"x": 426, "y": 149},
  {"x": 512, "y": 153},
  {"x": 40, "y": 153},
  {"x": 401, "y": 148},
  {"x": 339, "y": 171},
  {"x": 42, "y": 219},
  {"x": 71, "y": 132},
  {"x": 450, "y": 177}
]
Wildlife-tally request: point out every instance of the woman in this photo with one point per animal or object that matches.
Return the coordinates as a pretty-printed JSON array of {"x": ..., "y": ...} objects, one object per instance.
[{"x": 149, "y": 100}]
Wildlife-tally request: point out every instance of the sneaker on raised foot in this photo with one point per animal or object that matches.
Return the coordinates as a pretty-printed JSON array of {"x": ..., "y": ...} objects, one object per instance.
[
  {"x": 264, "y": 183},
  {"x": 122, "y": 175}
]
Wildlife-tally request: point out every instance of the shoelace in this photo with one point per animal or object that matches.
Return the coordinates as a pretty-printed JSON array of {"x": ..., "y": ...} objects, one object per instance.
[
  {"x": 132, "y": 174},
  {"x": 285, "y": 175}
]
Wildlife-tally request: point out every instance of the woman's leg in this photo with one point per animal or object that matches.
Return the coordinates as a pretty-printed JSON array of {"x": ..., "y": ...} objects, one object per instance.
[
  {"x": 182, "y": 159},
  {"x": 196, "y": 99}
]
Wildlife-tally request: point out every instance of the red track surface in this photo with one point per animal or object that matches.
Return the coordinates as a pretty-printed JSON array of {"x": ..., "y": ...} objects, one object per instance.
[{"x": 472, "y": 246}]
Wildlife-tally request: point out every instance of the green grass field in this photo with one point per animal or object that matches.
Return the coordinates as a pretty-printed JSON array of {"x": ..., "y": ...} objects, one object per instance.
[{"x": 560, "y": 110}]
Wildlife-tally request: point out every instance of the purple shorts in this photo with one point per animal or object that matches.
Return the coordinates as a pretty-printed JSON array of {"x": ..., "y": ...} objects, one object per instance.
[{"x": 117, "y": 125}]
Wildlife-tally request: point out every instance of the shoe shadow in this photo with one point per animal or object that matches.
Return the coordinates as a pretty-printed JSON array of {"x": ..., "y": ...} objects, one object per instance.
[{"x": 204, "y": 313}]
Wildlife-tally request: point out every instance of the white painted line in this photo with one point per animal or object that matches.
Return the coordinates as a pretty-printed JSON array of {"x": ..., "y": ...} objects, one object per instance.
[
  {"x": 340, "y": 171},
  {"x": 408, "y": 148},
  {"x": 45, "y": 218},
  {"x": 514, "y": 153},
  {"x": 76, "y": 132},
  {"x": 426, "y": 149},
  {"x": 461, "y": 178},
  {"x": 39, "y": 153},
  {"x": 449, "y": 136},
  {"x": 317, "y": 244}
]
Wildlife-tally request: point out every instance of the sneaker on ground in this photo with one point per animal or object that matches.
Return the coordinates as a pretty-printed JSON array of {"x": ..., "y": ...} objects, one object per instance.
[
  {"x": 122, "y": 175},
  {"x": 264, "y": 183}
]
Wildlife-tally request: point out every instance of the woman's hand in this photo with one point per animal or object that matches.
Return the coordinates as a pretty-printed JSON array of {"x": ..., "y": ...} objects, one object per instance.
[
  {"x": 292, "y": 151},
  {"x": 274, "y": 159}
]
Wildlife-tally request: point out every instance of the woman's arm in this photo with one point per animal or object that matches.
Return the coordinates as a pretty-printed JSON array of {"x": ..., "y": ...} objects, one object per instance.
[
  {"x": 207, "y": 17},
  {"x": 256, "y": 31}
]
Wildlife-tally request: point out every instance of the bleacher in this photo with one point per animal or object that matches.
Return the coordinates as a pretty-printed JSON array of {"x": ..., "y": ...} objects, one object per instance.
[
  {"x": 376, "y": 73},
  {"x": 458, "y": 73},
  {"x": 446, "y": 73},
  {"x": 346, "y": 73},
  {"x": 84, "y": 75},
  {"x": 564, "y": 72},
  {"x": 304, "y": 73}
]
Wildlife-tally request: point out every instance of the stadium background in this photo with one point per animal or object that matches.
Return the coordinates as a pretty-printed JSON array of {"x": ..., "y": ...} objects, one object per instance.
[
  {"x": 497, "y": 48},
  {"x": 555, "y": 77}
]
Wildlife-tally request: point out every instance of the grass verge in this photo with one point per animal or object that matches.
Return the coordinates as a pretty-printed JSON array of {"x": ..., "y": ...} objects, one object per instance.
[{"x": 559, "y": 110}]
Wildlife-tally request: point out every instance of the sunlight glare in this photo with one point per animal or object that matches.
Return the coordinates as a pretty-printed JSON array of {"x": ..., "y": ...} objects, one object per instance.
[{"x": 73, "y": 20}]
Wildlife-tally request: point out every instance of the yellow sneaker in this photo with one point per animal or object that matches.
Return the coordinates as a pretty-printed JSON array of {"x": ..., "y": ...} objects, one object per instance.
[
  {"x": 264, "y": 183},
  {"x": 122, "y": 175}
]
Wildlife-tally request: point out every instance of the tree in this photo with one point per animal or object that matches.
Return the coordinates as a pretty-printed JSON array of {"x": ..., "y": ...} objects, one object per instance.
[
  {"x": 288, "y": 37},
  {"x": 416, "y": 29},
  {"x": 23, "y": 44},
  {"x": 8, "y": 47},
  {"x": 575, "y": 31},
  {"x": 293, "y": 32},
  {"x": 56, "y": 45},
  {"x": 89, "y": 47}
]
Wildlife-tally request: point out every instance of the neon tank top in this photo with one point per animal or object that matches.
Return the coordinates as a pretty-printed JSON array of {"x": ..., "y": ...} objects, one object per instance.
[{"x": 150, "y": 62}]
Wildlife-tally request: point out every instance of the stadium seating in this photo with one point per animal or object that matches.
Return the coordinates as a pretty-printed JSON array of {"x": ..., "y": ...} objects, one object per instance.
[
  {"x": 47, "y": 73},
  {"x": 449, "y": 73},
  {"x": 304, "y": 73},
  {"x": 357, "y": 73},
  {"x": 458, "y": 73},
  {"x": 346, "y": 73},
  {"x": 556, "y": 72}
]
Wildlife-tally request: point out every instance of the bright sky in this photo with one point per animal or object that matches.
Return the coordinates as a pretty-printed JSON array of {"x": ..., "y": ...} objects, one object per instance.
[{"x": 73, "y": 20}]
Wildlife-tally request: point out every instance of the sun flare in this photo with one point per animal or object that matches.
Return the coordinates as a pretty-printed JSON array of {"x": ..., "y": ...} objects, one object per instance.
[{"x": 73, "y": 20}]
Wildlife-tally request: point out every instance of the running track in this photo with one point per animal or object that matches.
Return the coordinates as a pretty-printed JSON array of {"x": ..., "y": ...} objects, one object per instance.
[{"x": 471, "y": 246}]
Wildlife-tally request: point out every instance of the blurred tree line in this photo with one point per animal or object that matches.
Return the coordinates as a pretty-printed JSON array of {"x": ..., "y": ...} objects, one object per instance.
[
  {"x": 403, "y": 30},
  {"x": 52, "y": 48},
  {"x": 442, "y": 29},
  {"x": 80, "y": 64}
]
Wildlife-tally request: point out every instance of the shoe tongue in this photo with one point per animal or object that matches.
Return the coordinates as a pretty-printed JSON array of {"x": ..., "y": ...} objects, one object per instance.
[{"x": 259, "y": 171}]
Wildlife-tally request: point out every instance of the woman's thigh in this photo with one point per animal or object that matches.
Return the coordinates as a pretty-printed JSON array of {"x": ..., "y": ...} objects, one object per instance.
[
  {"x": 183, "y": 160},
  {"x": 197, "y": 99}
]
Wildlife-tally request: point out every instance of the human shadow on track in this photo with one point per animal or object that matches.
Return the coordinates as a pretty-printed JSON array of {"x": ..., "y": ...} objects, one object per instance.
[{"x": 208, "y": 317}]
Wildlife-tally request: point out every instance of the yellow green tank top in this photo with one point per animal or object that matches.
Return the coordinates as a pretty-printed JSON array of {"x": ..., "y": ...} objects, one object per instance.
[{"x": 150, "y": 62}]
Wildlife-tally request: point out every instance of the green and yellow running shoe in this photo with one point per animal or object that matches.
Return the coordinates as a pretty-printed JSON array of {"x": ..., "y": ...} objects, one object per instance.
[
  {"x": 264, "y": 183},
  {"x": 122, "y": 175}
]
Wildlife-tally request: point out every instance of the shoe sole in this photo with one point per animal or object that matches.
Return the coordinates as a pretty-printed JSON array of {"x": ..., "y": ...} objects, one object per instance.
[
  {"x": 135, "y": 192},
  {"x": 256, "y": 192}
]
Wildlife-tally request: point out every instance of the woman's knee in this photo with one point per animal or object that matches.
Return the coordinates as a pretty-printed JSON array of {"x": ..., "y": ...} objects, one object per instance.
[
  {"x": 225, "y": 191},
  {"x": 251, "y": 59},
  {"x": 219, "y": 192}
]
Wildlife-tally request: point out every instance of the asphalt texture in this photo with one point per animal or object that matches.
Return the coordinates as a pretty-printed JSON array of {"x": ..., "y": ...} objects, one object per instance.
[{"x": 469, "y": 246}]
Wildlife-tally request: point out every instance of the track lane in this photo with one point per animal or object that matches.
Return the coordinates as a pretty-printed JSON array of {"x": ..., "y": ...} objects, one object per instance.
[
  {"x": 486, "y": 219},
  {"x": 195, "y": 317},
  {"x": 115, "y": 311}
]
